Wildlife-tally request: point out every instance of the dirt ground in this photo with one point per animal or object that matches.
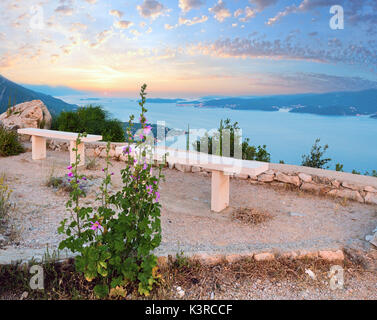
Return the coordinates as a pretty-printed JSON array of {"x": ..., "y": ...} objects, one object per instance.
[{"x": 299, "y": 221}]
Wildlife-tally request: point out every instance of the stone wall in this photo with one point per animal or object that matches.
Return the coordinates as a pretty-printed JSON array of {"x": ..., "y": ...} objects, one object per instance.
[{"x": 317, "y": 181}]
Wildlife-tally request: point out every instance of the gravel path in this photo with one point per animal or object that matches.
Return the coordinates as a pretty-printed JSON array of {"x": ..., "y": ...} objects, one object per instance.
[{"x": 187, "y": 222}]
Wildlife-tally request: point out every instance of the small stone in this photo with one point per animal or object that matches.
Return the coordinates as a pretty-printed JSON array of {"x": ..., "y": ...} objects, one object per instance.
[
  {"x": 370, "y": 189},
  {"x": 242, "y": 176},
  {"x": 331, "y": 255},
  {"x": 231, "y": 258},
  {"x": 264, "y": 256},
  {"x": 348, "y": 194},
  {"x": 183, "y": 167},
  {"x": 305, "y": 177},
  {"x": 350, "y": 186},
  {"x": 311, "y": 187},
  {"x": 212, "y": 295},
  {"x": 335, "y": 183},
  {"x": 374, "y": 240},
  {"x": 295, "y": 180},
  {"x": 371, "y": 198},
  {"x": 266, "y": 177},
  {"x": 195, "y": 169},
  {"x": 296, "y": 214},
  {"x": 311, "y": 274},
  {"x": 24, "y": 295}
]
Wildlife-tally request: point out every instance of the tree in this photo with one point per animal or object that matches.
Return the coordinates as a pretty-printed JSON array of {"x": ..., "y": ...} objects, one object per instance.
[{"x": 315, "y": 158}]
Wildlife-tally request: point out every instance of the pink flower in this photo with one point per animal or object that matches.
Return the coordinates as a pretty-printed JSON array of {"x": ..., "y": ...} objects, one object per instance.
[
  {"x": 145, "y": 166},
  {"x": 84, "y": 178},
  {"x": 70, "y": 174},
  {"x": 95, "y": 225},
  {"x": 69, "y": 168},
  {"x": 149, "y": 189},
  {"x": 141, "y": 136},
  {"x": 147, "y": 130},
  {"x": 127, "y": 150},
  {"x": 157, "y": 196}
]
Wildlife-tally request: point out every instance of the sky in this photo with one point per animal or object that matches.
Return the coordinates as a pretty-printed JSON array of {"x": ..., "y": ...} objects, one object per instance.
[{"x": 190, "y": 48}]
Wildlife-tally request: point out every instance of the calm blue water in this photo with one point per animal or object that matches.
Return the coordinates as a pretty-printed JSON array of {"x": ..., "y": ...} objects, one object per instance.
[{"x": 352, "y": 140}]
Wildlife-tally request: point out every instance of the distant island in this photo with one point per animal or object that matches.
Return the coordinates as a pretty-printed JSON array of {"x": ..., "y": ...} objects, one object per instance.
[{"x": 353, "y": 103}]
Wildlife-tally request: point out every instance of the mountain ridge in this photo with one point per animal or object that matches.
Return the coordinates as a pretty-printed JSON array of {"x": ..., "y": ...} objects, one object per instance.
[{"x": 19, "y": 94}]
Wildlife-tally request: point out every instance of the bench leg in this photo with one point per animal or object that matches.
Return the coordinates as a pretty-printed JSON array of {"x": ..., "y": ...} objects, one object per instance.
[
  {"x": 38, "y": 145},
  {"x": 80, "y": 151},
  {"x": 219, "y": 191}
]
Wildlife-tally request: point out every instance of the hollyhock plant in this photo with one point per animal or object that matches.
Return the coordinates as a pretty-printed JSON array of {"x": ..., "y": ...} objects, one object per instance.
[{"x": 129, "y": 220}]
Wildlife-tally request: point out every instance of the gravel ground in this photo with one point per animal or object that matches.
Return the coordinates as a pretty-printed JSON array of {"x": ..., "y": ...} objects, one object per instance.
[{"x": 187, "y": 222}]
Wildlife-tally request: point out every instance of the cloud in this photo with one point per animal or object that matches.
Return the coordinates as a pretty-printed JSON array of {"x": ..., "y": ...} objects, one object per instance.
[
  {"x": 77, "y": 26},
  {"x": 219, "y": 11},
  {"x": 65, "y": 7},
  {"x": 195, "y": 20},
  {"x": 335, "y": 52},
  {"x": 102, "y": 37},
  {"x": 123, "y": 24},
  {"x": 249, "y": 13},
  {"x": 91, "y": 1},
  {"x": 169, "y": 26},
  {"x": 116, "y": 13},
  {"x": 187, "y": 5},
  {"x": 304, "y": 6},
  {"x": 262, "y": 4},
  {"x": 319, "y": 82},
  {"x": 150, "y": 9}
]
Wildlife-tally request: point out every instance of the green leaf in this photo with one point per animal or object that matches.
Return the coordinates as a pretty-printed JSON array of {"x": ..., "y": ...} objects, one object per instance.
[{"x": 101, "y": 291}]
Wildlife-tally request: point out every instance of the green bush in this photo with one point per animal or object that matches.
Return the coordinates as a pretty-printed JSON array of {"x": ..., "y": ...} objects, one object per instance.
[
  {"x": 249, "y": 152},
  {"x": 92, "y": 120},
  {"x": 9, "y": 143},
  {"x": 315, "y": 158}
]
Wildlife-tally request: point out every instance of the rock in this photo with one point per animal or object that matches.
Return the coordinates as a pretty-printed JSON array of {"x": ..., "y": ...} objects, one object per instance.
[
  {"x": 97, "y": 151},
  {"x": 204, "y": 174},
  {"x": 208, "y": 259},
  {"x": 304, "y": 254},
  {"x": 296, "y": 214},
  {"x": 335, "y": 183},
  {"x": 287, "y": 179},
  {"x": 32, "y": 114},
  {"x": 373, "y": 240},
  {"x": 264, "y": 256},
  {"x": 242, "y": 176},
  {"x": 264, "y": 177},
  {"x": 311, "y": 274},
  {"x": 305, "y": 177},
  {"x": 270, "y": 171},
  {"x": 370, "y": 189},
  {"x": 183, "y": 167},
  {"x": 289, "y": 255},
  {"x": 350, "y": 186},
  {"x": 371, "y": 197},
  {"x": 348, "y": 194},
  {"x": 331, "y": 255},
  {"x": 253, "y": 178},
  {"x": 196, "y": 169},
  {"x": 311, "y": 187},
  {"x": 24, "y": 295},
  {"x": 231, "y": 258}
]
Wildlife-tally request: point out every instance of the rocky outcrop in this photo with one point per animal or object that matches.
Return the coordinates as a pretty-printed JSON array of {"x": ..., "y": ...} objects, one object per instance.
[{"x": 31, "y": 114}]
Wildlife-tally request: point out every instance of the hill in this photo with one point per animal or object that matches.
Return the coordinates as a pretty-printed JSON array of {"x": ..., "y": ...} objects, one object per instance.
[
  {"x": 333, "y": 103},
  {"x": 18, "y": 94}
]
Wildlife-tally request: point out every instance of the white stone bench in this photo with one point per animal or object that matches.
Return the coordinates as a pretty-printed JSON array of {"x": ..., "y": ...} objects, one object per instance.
[
  {"x": 221, "y": 167},
  {"x": 38, "y": 140}
]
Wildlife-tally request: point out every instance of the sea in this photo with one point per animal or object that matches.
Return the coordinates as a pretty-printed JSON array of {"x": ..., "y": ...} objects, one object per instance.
[{"x": 352, "y": 140}]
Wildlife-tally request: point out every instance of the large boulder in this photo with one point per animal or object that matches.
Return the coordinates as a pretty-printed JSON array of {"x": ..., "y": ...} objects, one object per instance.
[{"x": 31, "y": 114}]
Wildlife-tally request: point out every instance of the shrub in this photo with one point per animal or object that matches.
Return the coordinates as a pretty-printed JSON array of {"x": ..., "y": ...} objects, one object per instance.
[
  {"x": 5, "y": 193},
  {"x": 315, "y": 158},
  {"x": 115, "y": 242},
  {"x": 9, "y": 143},
  {"x": 249, "y": 152},
  {"x": 92, "y": 120}
]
